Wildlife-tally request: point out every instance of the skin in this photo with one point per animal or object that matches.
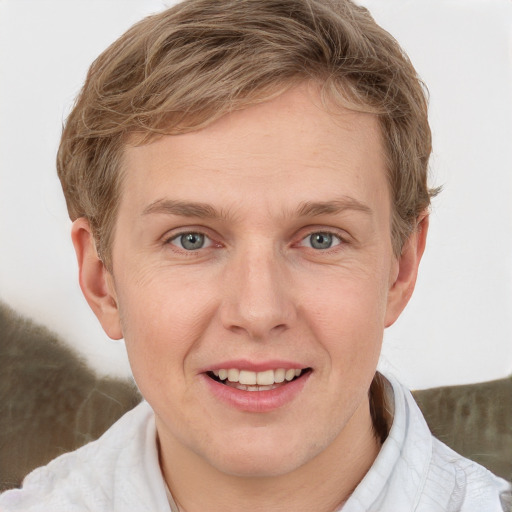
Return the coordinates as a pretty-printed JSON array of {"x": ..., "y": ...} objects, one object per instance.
[{"x": 258, "y": 291}]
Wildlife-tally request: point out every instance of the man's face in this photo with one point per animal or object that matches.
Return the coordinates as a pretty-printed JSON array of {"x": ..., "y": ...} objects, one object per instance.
[{"x": 258, "y": 247}]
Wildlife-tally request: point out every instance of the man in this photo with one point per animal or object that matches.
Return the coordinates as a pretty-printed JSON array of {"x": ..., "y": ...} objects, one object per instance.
[{"x": 248, "y": 185}]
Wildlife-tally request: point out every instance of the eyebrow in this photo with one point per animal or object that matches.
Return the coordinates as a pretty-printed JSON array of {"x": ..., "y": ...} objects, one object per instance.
[
  {"x": 205, "y": 210},
  {"x": 181, "y": 208},
  {"x": 314, "y": 209}
]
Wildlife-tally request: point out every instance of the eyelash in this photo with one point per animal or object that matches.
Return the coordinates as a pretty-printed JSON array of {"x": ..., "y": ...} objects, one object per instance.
[
  {"x": 336, "y": 237},
  {"x": 178, "y": 236}
]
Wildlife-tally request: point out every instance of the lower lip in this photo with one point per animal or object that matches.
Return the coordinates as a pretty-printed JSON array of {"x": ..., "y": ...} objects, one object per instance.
[{"x": 257, "y": 401}]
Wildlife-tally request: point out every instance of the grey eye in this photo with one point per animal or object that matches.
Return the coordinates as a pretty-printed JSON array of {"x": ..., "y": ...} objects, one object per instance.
[
  {"x": 321, "y": 240},
  {"x": 190, "y": 241}
]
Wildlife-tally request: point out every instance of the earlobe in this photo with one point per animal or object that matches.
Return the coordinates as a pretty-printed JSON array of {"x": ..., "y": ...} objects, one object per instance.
[
  {"x": 401, "y": 289},
  {"x": 95, "y": 280}
]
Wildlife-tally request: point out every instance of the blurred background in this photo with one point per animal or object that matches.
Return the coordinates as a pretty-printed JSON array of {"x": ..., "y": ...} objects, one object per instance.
[{"x": 457, "y": 328}]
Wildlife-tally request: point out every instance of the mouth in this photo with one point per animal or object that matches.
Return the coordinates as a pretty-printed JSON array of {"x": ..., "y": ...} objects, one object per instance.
[{"x": 245, "y": 380}]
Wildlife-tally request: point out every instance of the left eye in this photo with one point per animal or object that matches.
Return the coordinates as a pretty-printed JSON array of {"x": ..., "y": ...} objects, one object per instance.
[
  {"x": 191, "y": 241},
  {"x": 321, "y": 240}
]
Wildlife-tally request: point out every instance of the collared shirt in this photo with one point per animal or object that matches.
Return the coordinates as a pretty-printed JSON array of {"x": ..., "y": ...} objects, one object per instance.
[
  {"x": 120, "y": 472},
  {"x": 416, "y": 472}
]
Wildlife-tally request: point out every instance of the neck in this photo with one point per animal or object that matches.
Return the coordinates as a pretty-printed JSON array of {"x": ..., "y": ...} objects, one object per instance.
[{"x": 322, "y": 484}]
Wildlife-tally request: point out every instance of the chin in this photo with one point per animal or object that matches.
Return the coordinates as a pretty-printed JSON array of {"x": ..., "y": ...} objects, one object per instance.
[
  {"x": 258, "y": 466},
  {"x": 264, "y": 457}
]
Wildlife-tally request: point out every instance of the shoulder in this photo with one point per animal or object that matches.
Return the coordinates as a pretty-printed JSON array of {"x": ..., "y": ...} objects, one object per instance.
[
  {"x": 470, "y": 487},
  {"x": 452, "y": 480},
  {"x": 435, "y": 477},
  {"x": 96, "y": 475}
]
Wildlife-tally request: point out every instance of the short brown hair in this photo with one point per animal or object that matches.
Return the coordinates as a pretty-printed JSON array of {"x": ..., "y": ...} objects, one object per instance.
[{"x": 181, "y": 69}]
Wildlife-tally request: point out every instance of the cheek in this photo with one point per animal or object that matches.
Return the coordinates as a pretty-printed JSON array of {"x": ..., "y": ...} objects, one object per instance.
[
  {"x": 346, "y": 300},
  {"x": 347, "y": 317},
  {"x": 163, "y": 322}
]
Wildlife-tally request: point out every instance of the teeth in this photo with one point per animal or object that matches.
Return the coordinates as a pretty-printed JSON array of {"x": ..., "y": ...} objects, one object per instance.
[
  {"x": 279, "y": 375},
  {"x": 289, "y": 375},
  {"x": 258, "y": 380},
  {"x": 247, "y": 378},
  {"x": 265, "y": 378},
  {"x": 233, "y": 375}
]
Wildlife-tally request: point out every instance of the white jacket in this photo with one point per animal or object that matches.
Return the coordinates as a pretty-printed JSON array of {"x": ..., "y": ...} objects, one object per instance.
[{"x": 120, "y": 473}]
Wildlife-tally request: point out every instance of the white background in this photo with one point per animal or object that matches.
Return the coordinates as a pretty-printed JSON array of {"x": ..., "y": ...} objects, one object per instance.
[{"x": 458, "y": 326}]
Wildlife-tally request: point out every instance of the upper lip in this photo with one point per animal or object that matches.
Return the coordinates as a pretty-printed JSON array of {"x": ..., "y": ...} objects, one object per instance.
[{"x": 253, "y": 366}]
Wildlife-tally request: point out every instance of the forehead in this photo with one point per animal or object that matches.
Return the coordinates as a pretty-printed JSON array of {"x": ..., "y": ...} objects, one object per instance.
[{"x": 287, "y": 150}]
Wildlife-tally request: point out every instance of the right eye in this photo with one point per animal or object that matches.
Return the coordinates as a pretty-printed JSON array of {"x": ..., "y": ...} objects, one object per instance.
[
  {"x": 191, "y": 241},
  {"x": 321, "y": 240}
]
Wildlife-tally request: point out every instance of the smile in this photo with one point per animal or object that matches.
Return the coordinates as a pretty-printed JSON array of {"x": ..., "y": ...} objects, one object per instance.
[
  {"x": 246, "y": 380},
  {"x": 257, "y": 387}
]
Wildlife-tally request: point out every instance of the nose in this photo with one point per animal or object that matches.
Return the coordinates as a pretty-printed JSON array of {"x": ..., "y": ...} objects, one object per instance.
[{"x": 257, "y": 297}]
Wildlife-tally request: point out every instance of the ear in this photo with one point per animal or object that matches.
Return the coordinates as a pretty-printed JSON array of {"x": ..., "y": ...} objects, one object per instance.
[
  {"x": 407, "y": 270},
  {"x": 96, "y": 281}
]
